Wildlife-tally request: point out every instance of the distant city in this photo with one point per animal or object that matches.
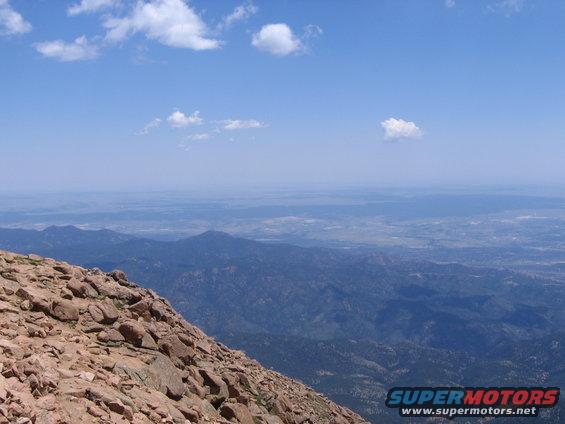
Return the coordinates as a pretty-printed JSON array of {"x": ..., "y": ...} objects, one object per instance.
[{"x": 522, "y": 228}]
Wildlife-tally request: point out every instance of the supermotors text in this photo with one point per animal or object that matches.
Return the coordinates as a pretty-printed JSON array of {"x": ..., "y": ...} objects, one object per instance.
[{"x": 454, "y": 402}]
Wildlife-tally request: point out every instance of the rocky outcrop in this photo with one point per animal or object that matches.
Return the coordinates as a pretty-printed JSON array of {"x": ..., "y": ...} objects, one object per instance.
[{"x": 82, "y": 346}]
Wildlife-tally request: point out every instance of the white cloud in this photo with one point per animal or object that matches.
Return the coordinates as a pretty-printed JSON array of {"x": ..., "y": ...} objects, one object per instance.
[
  {"x": 312, "y": 31},
  {"x": 508, "y": 7},
  {"x": 277, "y": 39},
  {"x": 151, "y": 125},
  {"x": 449, "y": 3},
  {"x": 90, "y": 6},
  {"x": 198, "y": 137},
  {"x": 182, "y": 145},
  {"x": 79, "y": 49},
  {"x": 399, "y": 128},
  {"x": 241, "y": 124},
  {"x": 192, "y": 140},
  {"x": 178, "y": 119},
  {"x": 240, "y": 13},
  {"x": 11, "y": 22},
  {"x": 170, "y": 22}
]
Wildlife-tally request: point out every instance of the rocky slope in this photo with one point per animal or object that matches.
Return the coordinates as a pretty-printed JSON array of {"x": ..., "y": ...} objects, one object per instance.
[{"x": 79, "y": 345}]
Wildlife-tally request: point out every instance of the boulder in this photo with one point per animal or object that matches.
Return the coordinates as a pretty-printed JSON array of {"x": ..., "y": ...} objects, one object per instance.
[
  {"x": 7, "y": 307},
  {"x": 166, "y": 377},
  {"x": 35, "y": 299},
  {"x": 98, "y": 283},
  {"x": 80, "y": 288},
  {"x": 133, "y": 332},
  {"x": 103, "y": 312},
  {"x": 9, "y": 287},
  {"x": 63, "y": 269},
  {"x": 148, "y": 342},
  {"x": 136, "y": 334},
  {"x": 64, "y": 310},
  {"x": 158, "y": 310},
  {"x": 118, "y": 275},
  {"x": 218, "y": 388},
  {"x": 111, "y": 335},
  {"x": 140, "y": 307},
  {"x": 176, "y": 350},
  {"x": 236, "y": 411}
]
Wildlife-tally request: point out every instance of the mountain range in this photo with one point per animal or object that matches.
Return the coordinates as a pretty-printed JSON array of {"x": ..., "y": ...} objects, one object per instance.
[{"x": 350, "y": 324}]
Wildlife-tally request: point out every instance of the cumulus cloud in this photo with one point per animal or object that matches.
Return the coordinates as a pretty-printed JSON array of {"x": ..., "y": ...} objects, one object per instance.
[
  {"x": 399, "y": 128},
  {"x": 151, "y": 125},
  {"x": 241, "y": 124},
  {"x": 79, "y": 49},
  {"x": 240, "y": 13},
  {"x": 170, "y": 22},
  {"x": 90, "y": 6},
  {"x": 449, "y": 3},
  {"x": 178, "y": 119},
  {"x": 11, "y": 22},
  {"x": 277, "y": 39}
]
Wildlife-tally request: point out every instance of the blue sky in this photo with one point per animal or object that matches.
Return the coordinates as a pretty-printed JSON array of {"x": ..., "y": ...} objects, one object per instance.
[{"x": 120, "y": 94}]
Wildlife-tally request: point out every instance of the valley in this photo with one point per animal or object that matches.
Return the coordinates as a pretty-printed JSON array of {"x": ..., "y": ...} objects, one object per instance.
[{"x": 349, "y": 323}]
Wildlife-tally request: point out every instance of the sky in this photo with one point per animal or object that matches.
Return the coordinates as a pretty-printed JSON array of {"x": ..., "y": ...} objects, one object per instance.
[{"x": 172, "y": 94}]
